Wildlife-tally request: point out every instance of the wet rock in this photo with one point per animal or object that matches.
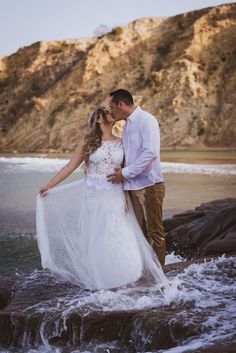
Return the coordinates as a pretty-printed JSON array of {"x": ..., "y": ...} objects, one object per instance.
[
  {"x": 209, "y": 230},
  {"x": 37, "y": 308},
  {"x": 6, "y": 291},
  {"x": 219, "y": 347},
  {"x": 222, "y": 246},
  {"x": 102, "y": 326},
  {"x": 182, "y": 218},
  {"x": 35, "y": 315},
  {"x": 43, "y": 311},
  {"x": 163, "y": 328},
  {"x": 6, "y": 329}
]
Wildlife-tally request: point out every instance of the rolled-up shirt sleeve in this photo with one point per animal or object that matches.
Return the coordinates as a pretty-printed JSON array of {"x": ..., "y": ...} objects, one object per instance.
[{"x": 150, "y": 139}]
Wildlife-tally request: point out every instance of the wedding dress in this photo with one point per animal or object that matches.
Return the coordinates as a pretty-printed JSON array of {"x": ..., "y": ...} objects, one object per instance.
[{"x": 87, "y": 232}]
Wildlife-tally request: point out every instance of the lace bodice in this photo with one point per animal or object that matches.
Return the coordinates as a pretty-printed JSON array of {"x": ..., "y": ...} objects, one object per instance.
[{"x": 102, "y": 162}]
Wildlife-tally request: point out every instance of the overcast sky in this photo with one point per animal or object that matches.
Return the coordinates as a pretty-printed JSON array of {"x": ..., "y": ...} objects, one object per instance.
[{"x": 23, "y": 22}]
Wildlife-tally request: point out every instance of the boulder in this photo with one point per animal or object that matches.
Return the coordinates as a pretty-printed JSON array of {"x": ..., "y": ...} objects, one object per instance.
[
  {"x": 209, "y": 230},
  {"x": 42, "y": 311}
]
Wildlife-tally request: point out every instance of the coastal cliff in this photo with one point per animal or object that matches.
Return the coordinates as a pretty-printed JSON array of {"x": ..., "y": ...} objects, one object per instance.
[{"x": 182, "y": 69}]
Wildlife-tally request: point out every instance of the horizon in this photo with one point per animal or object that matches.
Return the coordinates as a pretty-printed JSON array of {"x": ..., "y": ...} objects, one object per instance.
[{"x": 80, "y": 22}]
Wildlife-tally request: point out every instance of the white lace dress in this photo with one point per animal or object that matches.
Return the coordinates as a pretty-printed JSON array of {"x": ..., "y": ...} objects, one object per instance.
[{"x": 87, "y": 232}]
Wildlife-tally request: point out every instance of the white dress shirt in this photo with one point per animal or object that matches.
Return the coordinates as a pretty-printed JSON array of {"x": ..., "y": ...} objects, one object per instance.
[{"x": 141, "y": 140}]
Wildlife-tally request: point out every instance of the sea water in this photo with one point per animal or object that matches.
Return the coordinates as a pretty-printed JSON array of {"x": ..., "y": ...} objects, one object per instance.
[{"x": 209, "y": 286}]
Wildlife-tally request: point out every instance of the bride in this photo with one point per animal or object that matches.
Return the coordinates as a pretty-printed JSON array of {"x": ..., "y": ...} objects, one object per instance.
[{"x": 86, "y": 230}]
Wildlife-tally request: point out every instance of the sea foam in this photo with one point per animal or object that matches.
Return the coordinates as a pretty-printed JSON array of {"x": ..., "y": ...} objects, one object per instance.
[{"x": 41, "y": 164}]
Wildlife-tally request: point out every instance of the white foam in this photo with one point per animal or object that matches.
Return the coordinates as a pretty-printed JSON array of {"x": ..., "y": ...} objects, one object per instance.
[
  {"x": 212, "y": 169},
  {"x": 200, "y": 283},
  {"x": 172, "y": 258},
  {"x": 38, "y": 164},
  {"x": 41, "y": 164},
  {"x": 209, "y": 287}
]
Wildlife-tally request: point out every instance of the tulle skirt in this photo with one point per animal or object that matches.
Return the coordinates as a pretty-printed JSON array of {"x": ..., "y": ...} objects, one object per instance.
[{"x": 91, "y": 238}]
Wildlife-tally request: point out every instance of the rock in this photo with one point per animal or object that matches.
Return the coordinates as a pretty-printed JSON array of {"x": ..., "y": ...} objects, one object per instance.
[
  {"x": 6, "y": 329},
  {"x": 34, "y": 312},
  {"x": 161, "y": 328},
  {"x": 181, "y": 218},
  {"x": 226, "y": 347},
  {"x": 219, "y": 247},
  {"x": 6, "y": 291},
  {"x": 186, "y": 79},
  {"x": 36, "y": 308},
  {"x": 44, "y": 310},
  {"x": 209, "y": 230}
]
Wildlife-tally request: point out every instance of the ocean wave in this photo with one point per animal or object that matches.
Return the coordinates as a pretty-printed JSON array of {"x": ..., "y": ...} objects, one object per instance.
[
  {"x": 37, "y": 164},
  {"x": 41, "y": 164},
  {"x": 205, "y": 291},
  {"x": 206, "y": 288},
  {"x": 212, "y": 169}
]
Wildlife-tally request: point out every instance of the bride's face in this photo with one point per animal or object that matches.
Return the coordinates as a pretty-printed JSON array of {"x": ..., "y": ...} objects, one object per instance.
[{"x": 110, "y": 120}]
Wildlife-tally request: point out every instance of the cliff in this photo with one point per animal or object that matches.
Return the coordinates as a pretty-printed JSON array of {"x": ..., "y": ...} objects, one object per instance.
[{"x": 182, "y": 69}]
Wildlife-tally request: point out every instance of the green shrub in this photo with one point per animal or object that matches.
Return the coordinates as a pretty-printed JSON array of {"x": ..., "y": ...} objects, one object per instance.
[{"x": 117, "y": 31}]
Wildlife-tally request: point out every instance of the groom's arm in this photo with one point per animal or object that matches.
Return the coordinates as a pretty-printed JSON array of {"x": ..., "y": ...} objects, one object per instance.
[{"x": 150, "y": 136}]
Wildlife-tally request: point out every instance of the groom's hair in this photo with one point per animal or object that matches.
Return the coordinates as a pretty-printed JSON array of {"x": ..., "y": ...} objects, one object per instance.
[{"x": 122, "y": 95}]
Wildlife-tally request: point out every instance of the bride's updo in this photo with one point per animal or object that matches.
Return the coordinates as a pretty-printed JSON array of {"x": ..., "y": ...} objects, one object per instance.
[{"x": 93, "y": 139}]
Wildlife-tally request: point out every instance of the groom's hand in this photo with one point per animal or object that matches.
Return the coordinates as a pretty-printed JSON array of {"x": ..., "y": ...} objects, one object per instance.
[{"x": 116, "y": 177}]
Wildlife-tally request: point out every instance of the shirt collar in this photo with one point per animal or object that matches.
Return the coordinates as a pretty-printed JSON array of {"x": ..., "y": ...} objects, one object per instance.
[{"x": 134, "y": 114}]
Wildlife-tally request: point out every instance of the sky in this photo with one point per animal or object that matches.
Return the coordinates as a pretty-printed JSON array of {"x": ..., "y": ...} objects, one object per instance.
[{"x": 23, "y": 22}]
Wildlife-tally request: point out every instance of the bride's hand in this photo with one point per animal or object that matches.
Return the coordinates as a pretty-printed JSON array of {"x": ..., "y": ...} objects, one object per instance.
[{"x": 44, "y": 191}]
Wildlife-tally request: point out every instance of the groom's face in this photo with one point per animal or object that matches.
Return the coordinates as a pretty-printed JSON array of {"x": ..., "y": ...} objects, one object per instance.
[{"x": 116, "y": 109}]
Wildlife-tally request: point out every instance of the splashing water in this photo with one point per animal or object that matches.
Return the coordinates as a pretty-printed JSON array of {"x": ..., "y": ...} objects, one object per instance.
[
  {"x": 173, "y": 258},
  {"x": 205, "y": 293}
]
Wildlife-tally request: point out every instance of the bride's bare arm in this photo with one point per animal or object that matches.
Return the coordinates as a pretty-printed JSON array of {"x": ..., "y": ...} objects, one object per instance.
[{"x": 74, "y": 162}]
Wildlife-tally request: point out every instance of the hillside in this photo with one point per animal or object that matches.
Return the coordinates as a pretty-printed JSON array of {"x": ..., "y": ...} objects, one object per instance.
[{"x": 182, "y": 69}]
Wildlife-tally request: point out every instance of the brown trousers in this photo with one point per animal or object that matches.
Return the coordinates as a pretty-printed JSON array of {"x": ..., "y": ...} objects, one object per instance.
[{"x": 147, "y": 204}]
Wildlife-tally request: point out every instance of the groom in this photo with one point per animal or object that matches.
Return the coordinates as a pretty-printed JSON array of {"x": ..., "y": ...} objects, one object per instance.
[{"x": 142, "y": 172}]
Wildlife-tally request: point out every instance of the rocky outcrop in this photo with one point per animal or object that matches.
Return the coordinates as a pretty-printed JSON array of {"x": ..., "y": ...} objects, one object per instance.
[
  {"x": 44, "y": 311},
  {"x": 36, "y": 308},
  {"x": 209, "y": 230},
  {"x": 182, "y": 69}
]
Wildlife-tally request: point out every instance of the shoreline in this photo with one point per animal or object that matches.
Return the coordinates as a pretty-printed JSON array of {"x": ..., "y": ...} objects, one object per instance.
[{"x": 206, "y": 156}]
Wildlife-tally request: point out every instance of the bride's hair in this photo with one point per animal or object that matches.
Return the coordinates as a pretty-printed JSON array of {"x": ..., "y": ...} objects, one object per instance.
[{"x": 93, "y": 139}]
